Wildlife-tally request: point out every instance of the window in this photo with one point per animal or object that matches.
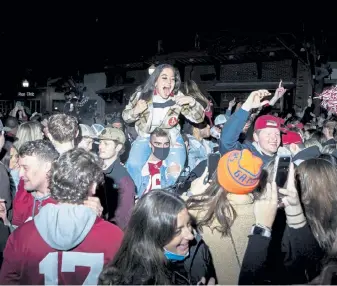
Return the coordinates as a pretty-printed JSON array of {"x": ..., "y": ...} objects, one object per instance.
[
  {"x": 34, "y": 105},
  {"x": 6, "y": 106}
]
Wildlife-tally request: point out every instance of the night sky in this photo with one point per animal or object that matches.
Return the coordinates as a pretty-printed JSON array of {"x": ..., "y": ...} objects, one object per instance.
[{"x": 55, "y": 40}]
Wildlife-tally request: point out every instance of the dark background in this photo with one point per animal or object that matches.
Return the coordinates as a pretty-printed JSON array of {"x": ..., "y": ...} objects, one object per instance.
[{"x": 56, "y": 39}]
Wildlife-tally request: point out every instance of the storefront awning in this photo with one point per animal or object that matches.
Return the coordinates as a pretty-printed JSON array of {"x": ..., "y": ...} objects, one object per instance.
[{"x": 249, "y": 86}]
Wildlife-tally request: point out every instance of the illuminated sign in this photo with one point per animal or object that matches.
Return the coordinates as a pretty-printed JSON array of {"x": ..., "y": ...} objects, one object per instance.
[{"x": 28, "y": 94}]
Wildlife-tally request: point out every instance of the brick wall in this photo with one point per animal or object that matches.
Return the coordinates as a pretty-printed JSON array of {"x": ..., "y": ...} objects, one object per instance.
[
  {"x": 274, "y": 71},
  {"x": 238, "y": 72},
  {"x": 271, "y": 71}
]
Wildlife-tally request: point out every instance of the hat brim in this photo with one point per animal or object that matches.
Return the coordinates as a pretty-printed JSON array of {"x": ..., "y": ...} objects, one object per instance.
[
  {"x": 282, "y": 129},
  {"x": 90, "y": 136},
  {"x": 110, "y": 139}
]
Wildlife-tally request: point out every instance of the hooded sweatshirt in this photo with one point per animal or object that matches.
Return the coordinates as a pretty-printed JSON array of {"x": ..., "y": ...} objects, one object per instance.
[
  {"x": 64, "y": 244},
  {"x": 26, "y": 205}
]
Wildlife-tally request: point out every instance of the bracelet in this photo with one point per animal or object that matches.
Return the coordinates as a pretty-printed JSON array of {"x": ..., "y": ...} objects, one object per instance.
[
  {"x": 263, "y": 226},
  {"x": 260, "y": 230},
  {"x": 297, "y": 223},
  {"x": 294, "y": 215}
]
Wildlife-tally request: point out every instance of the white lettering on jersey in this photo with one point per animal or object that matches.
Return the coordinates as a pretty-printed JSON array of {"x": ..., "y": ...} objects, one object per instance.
[{"x": 49, "y": 266}]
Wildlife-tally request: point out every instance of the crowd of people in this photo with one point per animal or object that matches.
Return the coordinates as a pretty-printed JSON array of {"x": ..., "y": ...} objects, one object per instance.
[{"x": 136, "y": 201}]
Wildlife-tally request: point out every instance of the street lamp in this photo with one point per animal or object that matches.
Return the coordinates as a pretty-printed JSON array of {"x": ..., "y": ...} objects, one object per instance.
[
  {"x": 25, "y": 83},
  {"x": 151, "y": 69}
]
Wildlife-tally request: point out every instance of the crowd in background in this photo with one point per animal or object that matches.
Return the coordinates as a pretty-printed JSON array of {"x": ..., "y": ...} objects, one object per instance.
[{"x": 139, "y": 200}]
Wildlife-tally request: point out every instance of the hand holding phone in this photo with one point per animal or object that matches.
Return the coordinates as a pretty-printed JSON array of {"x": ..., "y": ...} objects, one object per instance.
[
  {"x": 281, "y": 170},
  {"x": 212, "y": 165}
]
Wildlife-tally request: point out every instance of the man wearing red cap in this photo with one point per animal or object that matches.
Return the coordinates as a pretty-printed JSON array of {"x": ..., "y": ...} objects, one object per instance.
[{"x": 267, "y": 136}]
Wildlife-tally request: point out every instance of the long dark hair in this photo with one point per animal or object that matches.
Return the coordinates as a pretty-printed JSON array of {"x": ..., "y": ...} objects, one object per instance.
[
  {"x": 316, "y": 184},
  {"x": 216, "y": 205},
  {"x": 148, "y": 87},
  {"x": 141, "y": 255},
  {"x": 192, "y": 89}
]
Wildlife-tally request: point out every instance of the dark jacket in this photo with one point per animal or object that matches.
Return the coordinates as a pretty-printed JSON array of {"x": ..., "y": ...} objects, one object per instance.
[
  {"x": 230, "y": 136},
  {"x": 5, "y": 187},
  {"x": 5, "y": 193},
  {"x": 301, "y": 256},
  {"x": 199, "y": 264},
  {"x": 329, "y": 142},
  {"x": 4, "y": 234},
  {"x": 118, "y": 195}
]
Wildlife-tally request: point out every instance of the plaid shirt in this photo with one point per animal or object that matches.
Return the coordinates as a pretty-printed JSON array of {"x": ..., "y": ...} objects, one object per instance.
[{"x": 170, "y": 123}]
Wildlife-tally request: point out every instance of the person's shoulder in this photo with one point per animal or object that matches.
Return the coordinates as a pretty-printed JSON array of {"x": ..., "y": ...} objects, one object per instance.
[
  {"x": 26, "y": 228},
  {"x": 102, "y": 226},
  {"x": 49, "y": 200},
  {"x": 3, "y": 170},
  {"x": 121, "y": 172}
]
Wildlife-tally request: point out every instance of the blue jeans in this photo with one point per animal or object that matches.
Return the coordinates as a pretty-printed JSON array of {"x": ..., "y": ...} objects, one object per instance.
[{"x": 140, "y": 153}]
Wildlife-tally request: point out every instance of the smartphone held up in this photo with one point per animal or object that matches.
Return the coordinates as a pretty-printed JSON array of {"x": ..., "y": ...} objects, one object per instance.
[{"x": 281, "y": 170}]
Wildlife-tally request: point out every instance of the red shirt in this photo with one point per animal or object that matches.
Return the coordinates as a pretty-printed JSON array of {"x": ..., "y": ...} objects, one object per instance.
[
  {"x": 209, "y": 113},
  {"x": 23, "y": 205},
  {"x": 28, "y": 259},
  {"x": 155, "y": 176}
]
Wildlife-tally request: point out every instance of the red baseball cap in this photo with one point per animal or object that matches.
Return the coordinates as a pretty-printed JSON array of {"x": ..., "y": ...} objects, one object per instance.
[
  {"x": 291, "y": 137},
  {"x": 268, "y": 121},
  {"x": 298, "y": 125}
]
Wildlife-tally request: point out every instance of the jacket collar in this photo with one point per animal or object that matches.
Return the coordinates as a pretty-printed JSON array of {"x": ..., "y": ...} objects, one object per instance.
[{"x": 112, "y": 166}]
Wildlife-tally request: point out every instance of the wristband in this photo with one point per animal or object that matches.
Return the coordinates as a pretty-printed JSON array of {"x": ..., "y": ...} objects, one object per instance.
[{"x": 258, "y": 229}]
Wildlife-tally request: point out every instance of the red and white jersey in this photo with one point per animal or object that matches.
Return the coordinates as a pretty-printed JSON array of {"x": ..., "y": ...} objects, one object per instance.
[{"x": 155, "y": 176}]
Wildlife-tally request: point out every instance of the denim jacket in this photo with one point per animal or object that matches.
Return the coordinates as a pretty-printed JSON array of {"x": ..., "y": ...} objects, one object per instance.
[
  {"x": 197, "y": 151},
  {"x": 145, "y": 179}
]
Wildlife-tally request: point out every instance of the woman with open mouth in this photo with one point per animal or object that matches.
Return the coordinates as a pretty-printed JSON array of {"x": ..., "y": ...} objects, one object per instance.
[
  {"x": 160, "y": 247},
  {"x": 158, "y": 104}
]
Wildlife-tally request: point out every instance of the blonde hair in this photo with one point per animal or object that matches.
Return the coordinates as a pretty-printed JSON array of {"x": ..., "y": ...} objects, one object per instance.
[{"x": 28, "y": 131}]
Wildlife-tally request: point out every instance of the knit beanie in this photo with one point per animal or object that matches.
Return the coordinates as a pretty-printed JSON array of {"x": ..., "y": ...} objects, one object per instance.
[{"x": 239, "y": 171}]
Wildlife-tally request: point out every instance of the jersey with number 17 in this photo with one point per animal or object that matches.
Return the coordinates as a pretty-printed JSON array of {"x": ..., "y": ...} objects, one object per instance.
[{"x": 28, "y": 259}]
